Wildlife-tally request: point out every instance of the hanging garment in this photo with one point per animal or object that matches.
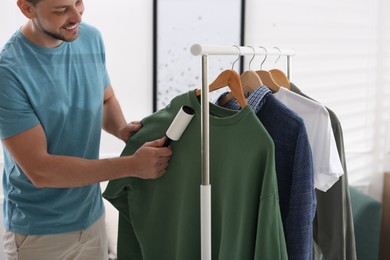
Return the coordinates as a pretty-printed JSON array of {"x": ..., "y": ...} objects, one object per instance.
[
  {"x": 334, "y": 235},
  {"x": 326, "y": 160},
  {"x": 294, "y": 169},
  {"x": 160, "y": 219}
]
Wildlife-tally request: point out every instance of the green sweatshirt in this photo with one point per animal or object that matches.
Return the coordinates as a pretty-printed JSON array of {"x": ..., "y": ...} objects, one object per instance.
[{"x": 160, "y": 219}]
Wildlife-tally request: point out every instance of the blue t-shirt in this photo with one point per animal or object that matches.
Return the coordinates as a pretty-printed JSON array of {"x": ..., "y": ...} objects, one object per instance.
[{"x": 62, "y": 89}]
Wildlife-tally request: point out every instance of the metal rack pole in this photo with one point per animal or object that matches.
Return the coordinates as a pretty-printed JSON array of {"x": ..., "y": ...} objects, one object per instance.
[
  {"x": 205, "y": 188},
  {"x": 205, "y": 122},
  {"x": 288, "y": 67},
  {"x": 198, "y": 49}
]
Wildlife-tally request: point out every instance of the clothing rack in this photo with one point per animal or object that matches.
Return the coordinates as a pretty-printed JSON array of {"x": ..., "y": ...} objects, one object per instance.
[{"x": 205, "y": 188}]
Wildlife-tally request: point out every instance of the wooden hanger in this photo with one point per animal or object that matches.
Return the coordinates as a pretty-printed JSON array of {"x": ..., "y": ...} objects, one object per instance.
[
  {"x": 279, "y": 75},
  {"x": 231, "y": 79},
  {"x": 280, "y": 78},
  {"x": 266, "y": 76},
  {"x": 268, "y": 80},
  {"x": 250, "y": 81}
]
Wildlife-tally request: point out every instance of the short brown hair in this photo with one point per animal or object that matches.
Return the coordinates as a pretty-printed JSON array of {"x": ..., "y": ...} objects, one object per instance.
[{"x": 33, "y": 2}]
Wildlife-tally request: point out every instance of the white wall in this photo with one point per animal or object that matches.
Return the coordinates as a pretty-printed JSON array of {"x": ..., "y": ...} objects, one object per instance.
[
  {"x": 127, "y": 30},
  {"x": 383, "y": 84},
  {"x": 341, "y": 61}
]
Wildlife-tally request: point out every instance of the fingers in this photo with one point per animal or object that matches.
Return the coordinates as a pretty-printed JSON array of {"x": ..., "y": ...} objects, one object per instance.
[
  {"x": 134, "y": 126},
  {"x": 125, "y": 131},
  {"x": 162, "y": 169},
  {"x": 156, "y": 143},
  {"x": 153, "y": 159},
  {"x": 164, "y": 163},
  {"x": 157, "y": 169}
]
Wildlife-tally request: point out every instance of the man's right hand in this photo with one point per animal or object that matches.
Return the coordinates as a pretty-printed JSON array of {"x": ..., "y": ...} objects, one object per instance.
[{"x": 151, "y": 159}]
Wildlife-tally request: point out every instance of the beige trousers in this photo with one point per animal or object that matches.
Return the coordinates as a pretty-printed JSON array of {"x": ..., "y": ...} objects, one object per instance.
[{"x": 86, "y": 244}]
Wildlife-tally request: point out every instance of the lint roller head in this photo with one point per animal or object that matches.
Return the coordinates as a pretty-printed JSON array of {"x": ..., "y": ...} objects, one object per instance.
[{"x": 179, "y": 124}]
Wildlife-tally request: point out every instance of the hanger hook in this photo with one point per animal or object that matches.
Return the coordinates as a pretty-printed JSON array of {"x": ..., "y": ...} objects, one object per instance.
[
  {"x": 254, "y": 53},
  {"x": 266, "y": 54},
  {"x": 239, "y": 55},
  {"x": 280, "y": 54}
]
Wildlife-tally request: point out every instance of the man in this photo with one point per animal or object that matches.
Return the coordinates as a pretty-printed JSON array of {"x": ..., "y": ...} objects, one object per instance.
[{"x": 55, "y": 96}]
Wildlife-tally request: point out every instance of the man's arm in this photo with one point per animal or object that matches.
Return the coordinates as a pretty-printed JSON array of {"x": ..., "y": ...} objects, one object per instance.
[
  {"x": 29, "y": 149},
  {"x": 113, "y": 119}
]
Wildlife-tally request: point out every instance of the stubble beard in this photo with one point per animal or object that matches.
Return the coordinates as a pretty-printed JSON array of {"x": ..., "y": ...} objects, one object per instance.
[{"x": 56, "y": 36}]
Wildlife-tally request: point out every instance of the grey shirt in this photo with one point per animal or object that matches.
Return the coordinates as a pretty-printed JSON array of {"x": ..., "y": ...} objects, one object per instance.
[{"x": 333, "y": 230}]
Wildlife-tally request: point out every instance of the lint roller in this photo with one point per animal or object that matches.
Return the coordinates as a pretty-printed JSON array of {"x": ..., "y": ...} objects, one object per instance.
[{"x": 179, "y": 124}]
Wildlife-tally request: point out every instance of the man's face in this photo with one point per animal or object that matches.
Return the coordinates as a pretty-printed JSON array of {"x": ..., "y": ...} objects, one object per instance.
[{"x": 58, "y": 20}]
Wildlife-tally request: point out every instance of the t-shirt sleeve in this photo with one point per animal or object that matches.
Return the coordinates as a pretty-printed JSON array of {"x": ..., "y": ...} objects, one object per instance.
[
  {"x": 270, "y": 239},
  {"x": 16, "y": 113}
]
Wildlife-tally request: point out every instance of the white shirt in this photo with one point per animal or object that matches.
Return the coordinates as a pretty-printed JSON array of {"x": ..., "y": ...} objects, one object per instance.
[{"x": 326, "y": 161}]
